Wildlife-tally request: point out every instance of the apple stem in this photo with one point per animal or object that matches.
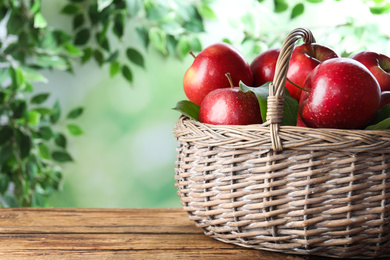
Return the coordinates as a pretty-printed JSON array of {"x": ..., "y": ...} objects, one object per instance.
[
  {"x": 230, "y": 79},
  {"x": 192, "y": 54},
  {"x": 304, "y": 89}
]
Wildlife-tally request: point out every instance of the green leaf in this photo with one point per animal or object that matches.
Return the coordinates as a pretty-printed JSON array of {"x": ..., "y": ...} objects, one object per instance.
[
  {"x": 127, "y": 74},
  {"x": 4, "y": 183},
  {"x": 381, "y": 120},
  {"x": 290, "y": 108},
  {"x": 158, "y": 38},
  {"x": 206, "y": 12},
  {"x": 143, "y": 35},
  {"x": 297, "y": 10},
  {"x": 133, "y": 7},
  {"x": 183, "y": 47},
  {"x": 5, "y": 153},
  {"x": 39, "y": 21},
  {"x": 87, "y": 54},
  {"x": 103, "y": 41},
  {"x": 33, "y": 117},
  {"x": 172, "y": 27},
  {"x": 188, "y": 109},
  {"x": 78, "y": 21},
  {"x": 114, "y": 56},
  {"x": 61, "y": 156},
  {"x": 314, "y": 1},
  {"x": 380, "y": 9},
  {"x": 19, "y": 108},
  {"x": 280, "y": 6},
  {"x": 70, "y": 9},
  {"x": 195, "y": 44},
  {"x": 60, "y": 140},
  {"x": 194, "y": 25},
  {"x": 24, "y": 142},
  {"x": 75, "y": 113},
  {"x": 115, "y": 67},
  {"x": 119, "y": 25},
  {"x": 34, "y": 76},
  {"x": 44, "y": 151},
  {"x": 74, "y": 129},
  {"x": 103, "y": 4},
  {"x": 99, "y": 57},
  {"x": 40, "y": 98},
  {"x": 5, "y": 134},
  {"x": 45, "y": 132},
  {"x": 72, "y": 50},
  {"x": 82, "y": 37},
  {"x": 384, "y": 124},
  {"x": 15, "y": 22},
  {"x": 135, "y": 56}
]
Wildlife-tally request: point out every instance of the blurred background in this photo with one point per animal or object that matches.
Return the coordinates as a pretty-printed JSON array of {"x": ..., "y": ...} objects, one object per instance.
[{"x": 126, "y": 154}]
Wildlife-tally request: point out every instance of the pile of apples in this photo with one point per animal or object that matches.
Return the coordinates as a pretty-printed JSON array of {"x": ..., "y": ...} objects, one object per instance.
[{"x": 331, "y": 91}]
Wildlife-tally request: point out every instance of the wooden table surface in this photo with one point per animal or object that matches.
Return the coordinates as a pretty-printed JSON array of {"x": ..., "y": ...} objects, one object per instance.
[{"x": 58, "y": 233}]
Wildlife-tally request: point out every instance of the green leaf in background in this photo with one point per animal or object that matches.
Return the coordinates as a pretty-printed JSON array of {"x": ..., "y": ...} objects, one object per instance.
[
  {"x": 40, "y": 98},
  {"x": 115, "y": 67},
  {"x": 158, "y": 38},
  {"x": 99, "y": 57},
  {"x": 61, "y": 156},
  {"x": 45, "y": 132},
  {"x": 87, "y": 54},
  {"x": 188, "y": 109},
  {"x": 183, "y": 47},
  {"x": 5, "y": 134},
  {"x": 39, "y": 21},
  {"x": 297, "y": 10},
  {"x": 135, "y": 56},
  {"x": 72, "y": 50},
  {"x": 74, "y": 129},
  {"x": 379, "y": 9},
  {"x": 119, "y": 25},
  {"x": 103, "y": 4},
  {"x": 5, "y": 153},
  {"x": 33, "y": 117},
  {"x": 127, "y": 74},
  {"x": 60, "y": 140},
  {"x": 82, "y": 37},
  {"x": 206, "y": 12},
  {"x": 4, "y": 182},
  {"x": 24, "y": 142},
  {"x": 280, "y": 6},
  {"x": 78, "y": 21},
  {"x": 56, "y": 112},
  {"x": 75, "y": 113},
  {"x": 195, "y": 44},
  {"x": 290, "y": 108},
  {"x": 143, "y": 35},
  {"x": 70, "y": 9},
  {"x": 44, "y": 151},
  {"x": 133, "y": 7}
]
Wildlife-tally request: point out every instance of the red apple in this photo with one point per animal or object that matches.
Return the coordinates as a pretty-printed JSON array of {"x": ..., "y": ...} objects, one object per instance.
[
  {"x": 208, "y": 70},
  {"x": 385, "y": 99},
  {"x": 304, "y": 59},
  {"x": 378, "y": 64},
  {"x": 263, "y": 67},
  {"x": 230, "y": 106},
  {"x": 343, "y": 94}
]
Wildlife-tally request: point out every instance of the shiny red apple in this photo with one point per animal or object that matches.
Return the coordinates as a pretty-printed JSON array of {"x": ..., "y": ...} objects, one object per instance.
[
  {"x": 230, "y": 106},
  {"x": 304, "y": 59},
  {"x": 208, "y": 70},
  {"x": 343, "y": 94},
  {"x": 263, "y": 66},
  {"x": 378, "y": 64}
]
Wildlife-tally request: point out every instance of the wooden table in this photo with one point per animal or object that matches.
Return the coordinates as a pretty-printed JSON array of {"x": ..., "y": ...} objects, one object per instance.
[{"x": 114, "y": 234}]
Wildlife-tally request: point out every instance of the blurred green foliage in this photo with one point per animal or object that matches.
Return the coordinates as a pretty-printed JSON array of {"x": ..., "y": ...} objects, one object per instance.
[{"x": 34, "y": 134}]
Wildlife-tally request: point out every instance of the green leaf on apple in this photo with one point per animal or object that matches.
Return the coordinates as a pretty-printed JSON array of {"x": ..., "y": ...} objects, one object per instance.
[
  {"x": 188, "y": 108},
  {"x": 381, "y": 120},
  {"x": 290, "y": 110}
]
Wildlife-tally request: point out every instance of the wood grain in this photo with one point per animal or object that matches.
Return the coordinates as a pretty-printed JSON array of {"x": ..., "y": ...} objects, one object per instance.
[{"x": 114, "y": 234}]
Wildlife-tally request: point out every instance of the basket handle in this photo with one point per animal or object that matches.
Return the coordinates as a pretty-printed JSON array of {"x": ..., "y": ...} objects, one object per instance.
[{"x": 275, "y": 99}]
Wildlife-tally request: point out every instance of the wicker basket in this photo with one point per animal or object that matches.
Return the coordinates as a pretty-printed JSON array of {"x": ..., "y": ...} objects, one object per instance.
[{"x": 288, "y": 189}]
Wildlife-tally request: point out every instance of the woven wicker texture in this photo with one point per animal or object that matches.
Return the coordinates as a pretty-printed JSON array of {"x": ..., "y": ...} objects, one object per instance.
[{"x": 285, "y": 188}]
